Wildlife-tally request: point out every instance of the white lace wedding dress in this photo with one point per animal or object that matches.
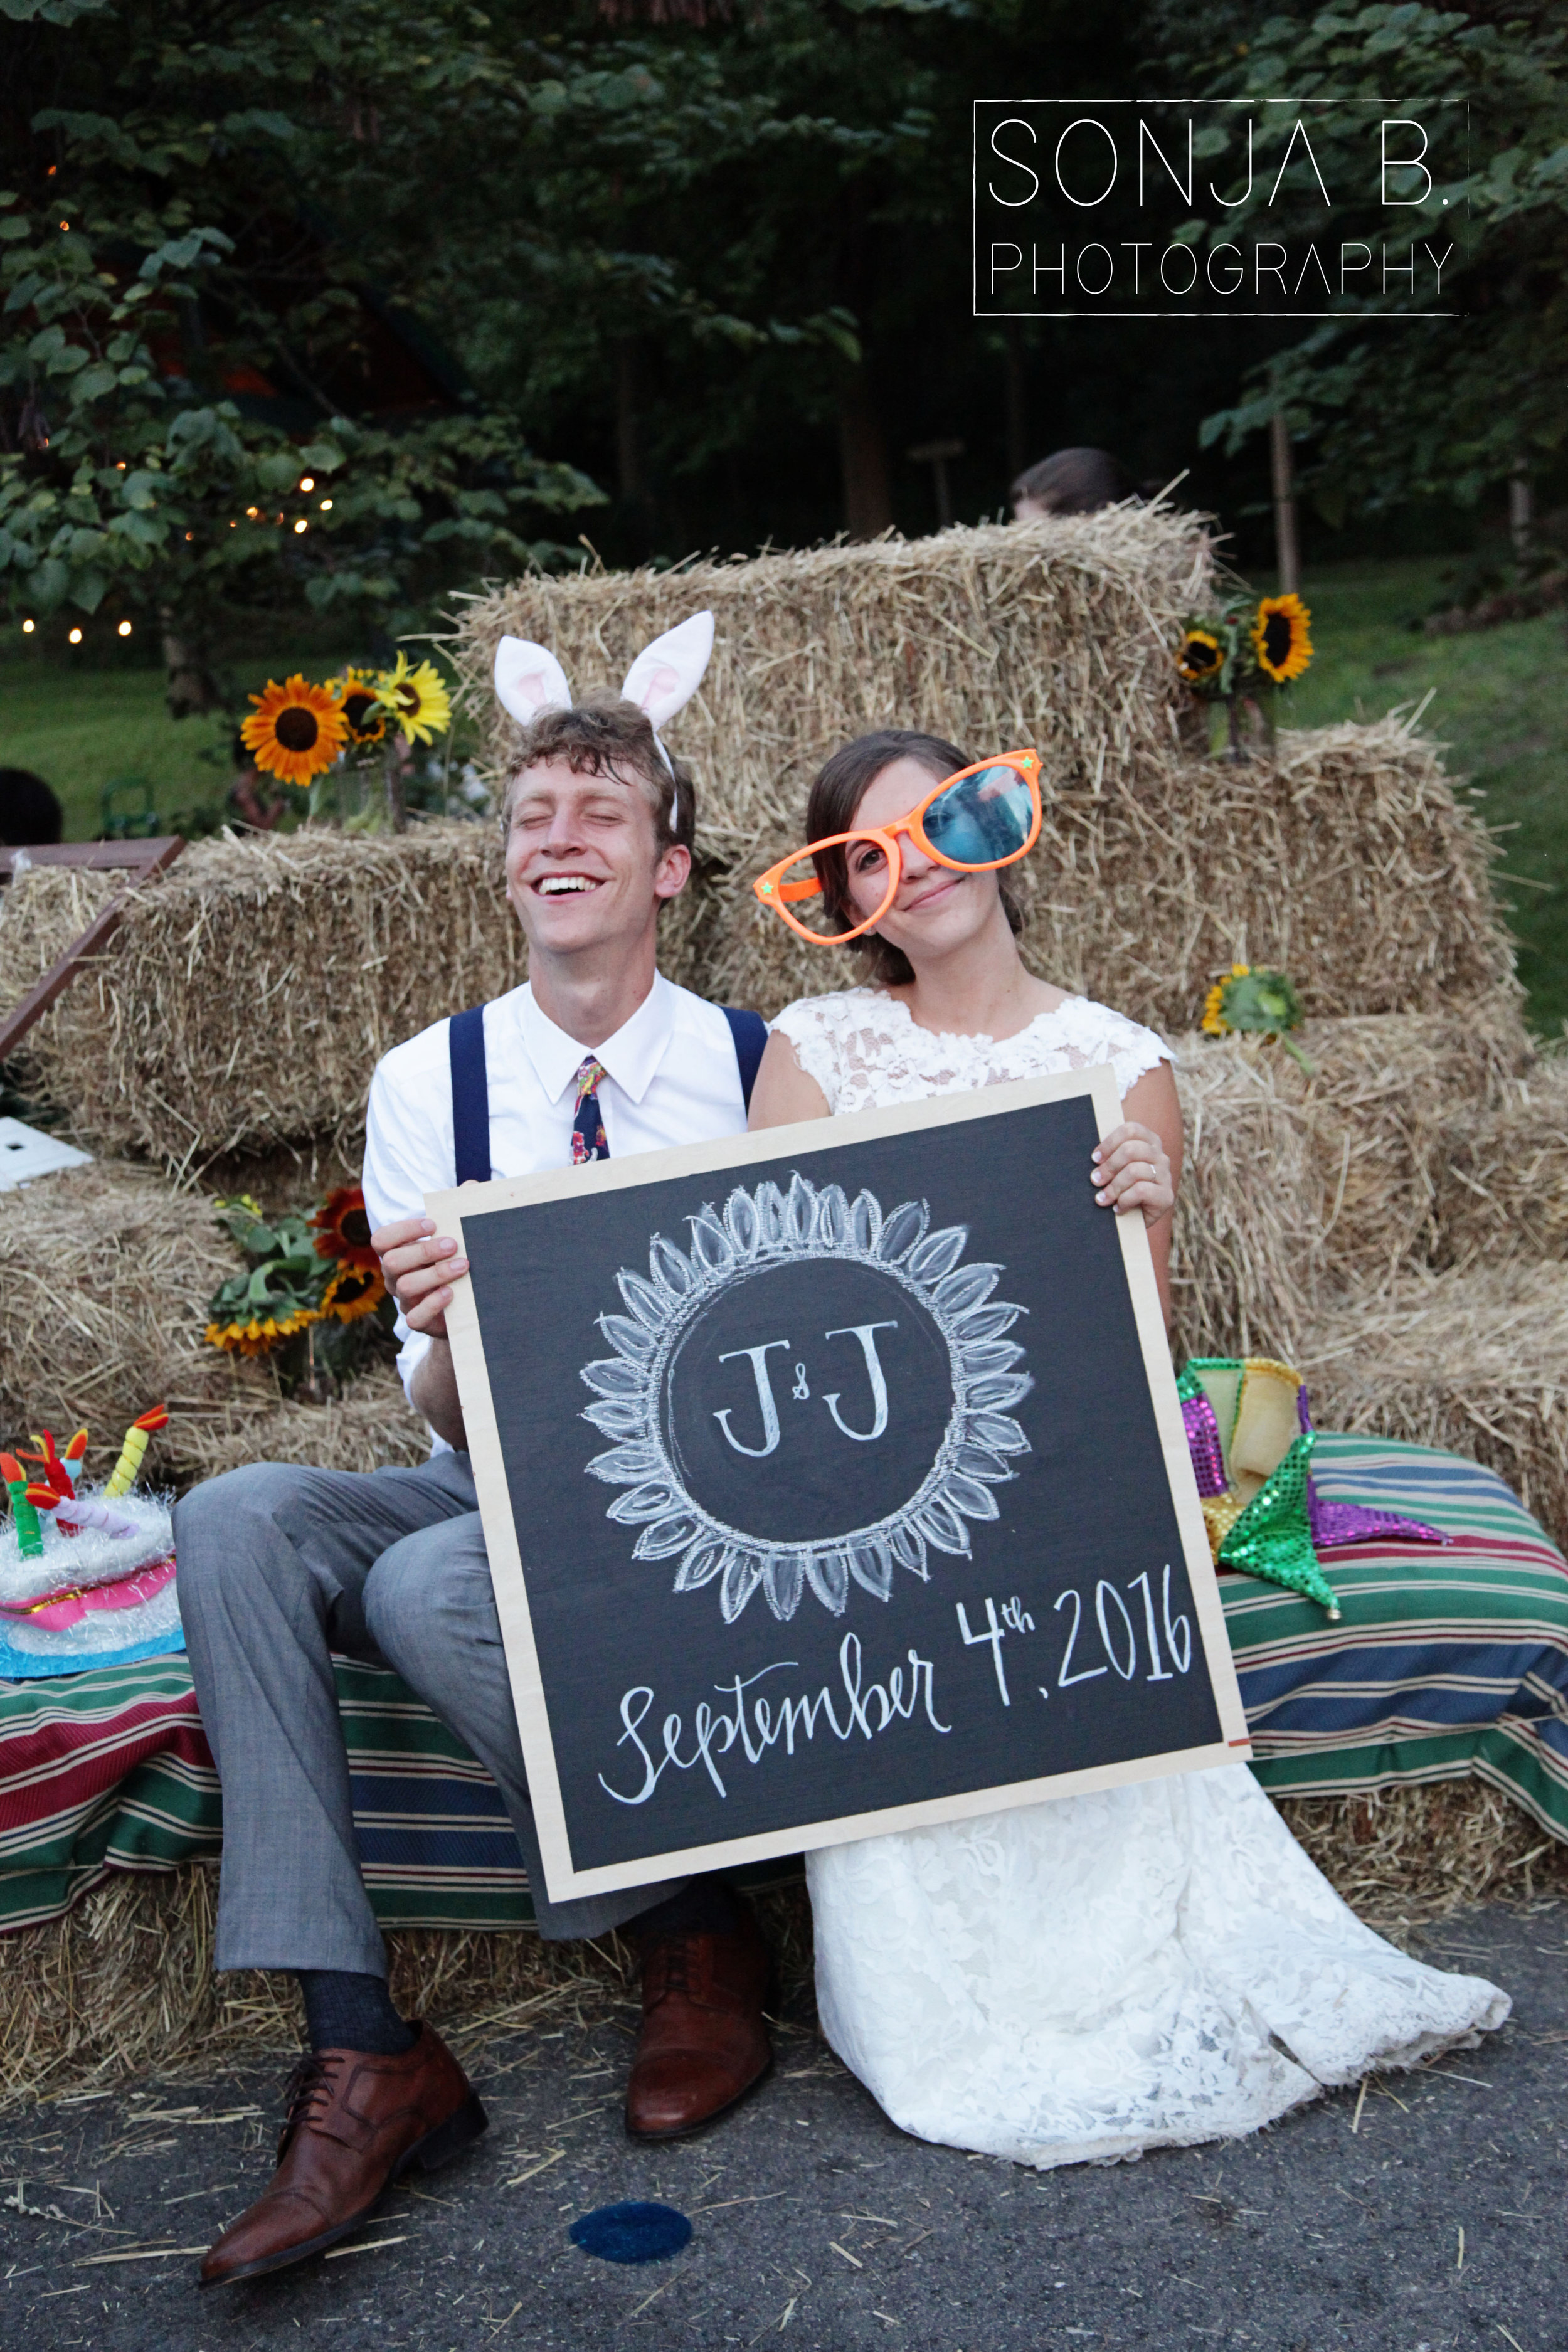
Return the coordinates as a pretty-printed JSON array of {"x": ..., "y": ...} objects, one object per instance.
[{"x": 1087, "y": 1978}]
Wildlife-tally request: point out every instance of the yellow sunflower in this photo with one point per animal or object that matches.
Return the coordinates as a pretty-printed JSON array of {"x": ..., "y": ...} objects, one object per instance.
[
  {"x": 296, "y": 730},
  {"x": 1198, "y": 657},
  {"x": 415, "y": 700},
  {"x": 1213, "y": 1021},
  {"x": 1280, "y": 639},
  {"x": 351, "y": 1292},
  {"x": 363, "y": 712},
  {"x": 260, "y": 1334}
]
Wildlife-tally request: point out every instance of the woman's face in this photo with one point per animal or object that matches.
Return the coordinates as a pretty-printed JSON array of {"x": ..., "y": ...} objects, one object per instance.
[{"x": 934, "y": 909}]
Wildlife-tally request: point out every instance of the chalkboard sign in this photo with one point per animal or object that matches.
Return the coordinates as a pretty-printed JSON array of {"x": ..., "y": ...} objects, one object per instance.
[{"x": 834, "y": 1481}]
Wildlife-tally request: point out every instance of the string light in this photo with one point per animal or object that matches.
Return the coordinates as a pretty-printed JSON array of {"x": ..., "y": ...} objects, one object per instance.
[
  {"x": 125, "y": 628},
  {"x": 309, "y": 483},
  {"x": 76, "y": 636},
  {"x": 28, "y": 628},
  {"x": 301, "y": 524},
  {"x": 326, "y": 505}
]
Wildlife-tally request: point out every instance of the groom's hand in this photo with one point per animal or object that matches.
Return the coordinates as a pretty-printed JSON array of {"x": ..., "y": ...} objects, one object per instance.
[{"x": 419, "y": 1266}]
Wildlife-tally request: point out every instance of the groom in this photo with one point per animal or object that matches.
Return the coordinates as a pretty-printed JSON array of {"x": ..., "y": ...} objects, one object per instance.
[{"x": 597, "y": 1055}]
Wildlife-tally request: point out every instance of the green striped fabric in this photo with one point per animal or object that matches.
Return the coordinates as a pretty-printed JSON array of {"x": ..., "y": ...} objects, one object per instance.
[{"x": 1448, "y": 1661}]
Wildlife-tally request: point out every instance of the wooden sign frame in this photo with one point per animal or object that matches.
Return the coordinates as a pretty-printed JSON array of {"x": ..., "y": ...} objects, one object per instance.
[{"x": 770, "y": 1151}]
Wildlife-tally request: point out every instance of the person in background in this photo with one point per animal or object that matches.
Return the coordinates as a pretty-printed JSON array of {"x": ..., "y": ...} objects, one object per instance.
[
  {"x": 1068, "y": 482},
  {"x": 30, "y": 814},
  {"x": 248, "y": 798}
]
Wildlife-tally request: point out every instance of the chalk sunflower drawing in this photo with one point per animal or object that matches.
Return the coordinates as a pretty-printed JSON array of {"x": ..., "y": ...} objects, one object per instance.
[{"x": 763, "y": 1228}]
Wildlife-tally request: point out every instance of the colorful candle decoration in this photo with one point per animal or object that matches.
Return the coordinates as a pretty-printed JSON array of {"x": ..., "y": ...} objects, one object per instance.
[
  {"x": 56, "y": 1473},
  {"x": 29, "y": 1536},
  {"x": 72, "y": 1515},
  {"x": 123, "y": 1476}
]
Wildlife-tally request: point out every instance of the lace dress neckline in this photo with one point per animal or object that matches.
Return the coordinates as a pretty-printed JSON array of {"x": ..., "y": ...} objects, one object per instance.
[{"x": 965, "y": 1036}]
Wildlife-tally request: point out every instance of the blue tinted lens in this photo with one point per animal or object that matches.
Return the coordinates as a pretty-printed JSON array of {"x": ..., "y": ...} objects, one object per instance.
[{"x": 982, "y": 818}]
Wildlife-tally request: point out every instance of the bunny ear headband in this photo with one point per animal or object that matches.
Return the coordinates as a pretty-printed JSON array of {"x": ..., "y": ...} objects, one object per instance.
[{"x": 661, "y": 681}]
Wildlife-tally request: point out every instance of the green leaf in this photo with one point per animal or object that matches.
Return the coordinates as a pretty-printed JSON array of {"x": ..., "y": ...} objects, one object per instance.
[
  {"x": 12, "y": 229},
  {"x": 93, "y": 382},
  {"x": 48, "y": 582},
  {"x": 52, "y": 12},
  {"x": 280, "y": 470}
]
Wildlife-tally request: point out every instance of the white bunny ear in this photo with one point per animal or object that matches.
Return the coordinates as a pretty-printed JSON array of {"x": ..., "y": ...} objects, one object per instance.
[
  {"x": 666, "y": 674},
  {"x": 529, "y": 679}
]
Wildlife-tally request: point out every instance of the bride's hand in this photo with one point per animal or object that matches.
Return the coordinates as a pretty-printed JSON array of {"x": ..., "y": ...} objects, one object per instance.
[{"x": 1131, "y": 1169}]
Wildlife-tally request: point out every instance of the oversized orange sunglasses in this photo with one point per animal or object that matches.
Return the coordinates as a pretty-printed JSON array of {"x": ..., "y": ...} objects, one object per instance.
[{"x": 983, "y": 818}]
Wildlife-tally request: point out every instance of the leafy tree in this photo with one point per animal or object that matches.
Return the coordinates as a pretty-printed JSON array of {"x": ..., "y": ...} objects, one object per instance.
[
  {"x": 1442, "y": 408},
  {"x": 185, "y": 321}
]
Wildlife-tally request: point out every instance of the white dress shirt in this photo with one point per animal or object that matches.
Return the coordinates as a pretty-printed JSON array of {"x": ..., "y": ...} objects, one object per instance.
[{"x": 671, "y": 1076}]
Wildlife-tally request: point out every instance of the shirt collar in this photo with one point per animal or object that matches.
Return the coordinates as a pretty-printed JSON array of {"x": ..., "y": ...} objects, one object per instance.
[{"x": 631, "y": 1057}]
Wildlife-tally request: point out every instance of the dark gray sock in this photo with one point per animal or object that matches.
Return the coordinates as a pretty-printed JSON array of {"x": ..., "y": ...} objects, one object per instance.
[
  {"x": 707, "y": 1906},
  {"x": 349, "y": 2012}
]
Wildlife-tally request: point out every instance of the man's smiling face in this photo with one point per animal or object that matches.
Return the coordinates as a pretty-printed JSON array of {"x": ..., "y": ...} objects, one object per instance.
[{"x": 583, "y": 862}]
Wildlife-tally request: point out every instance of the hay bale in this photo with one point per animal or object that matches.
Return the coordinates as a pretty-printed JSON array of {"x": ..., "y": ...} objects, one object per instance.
[
  {"x": 1351, "y": 864},
  {"x": 123, "y": 1984},
  {"x": 1501, "y": 1173},
  {"x": 246, "y": 1000},
  {"x": 1402, "y": 1858},
  {"x": 1297, "y": 1185},
  {"x": 250, "y": 992},
  {"x": 1475, "y": 1362},
  {"x": 370, "y": 1423},
  {"x": 1057, "y": 634},
  {"x": 107, "y": 1271}
]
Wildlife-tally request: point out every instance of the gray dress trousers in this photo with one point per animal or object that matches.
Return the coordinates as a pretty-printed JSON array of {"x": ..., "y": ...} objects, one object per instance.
[{"x": 278, "y": 1566}]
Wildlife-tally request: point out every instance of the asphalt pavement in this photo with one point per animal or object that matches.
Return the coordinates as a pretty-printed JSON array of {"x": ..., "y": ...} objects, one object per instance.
[{"x": 1419, "y": 2212}]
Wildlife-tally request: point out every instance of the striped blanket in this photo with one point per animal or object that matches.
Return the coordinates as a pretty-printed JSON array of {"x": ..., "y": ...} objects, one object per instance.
[{"x": 1445, "y": 1662}]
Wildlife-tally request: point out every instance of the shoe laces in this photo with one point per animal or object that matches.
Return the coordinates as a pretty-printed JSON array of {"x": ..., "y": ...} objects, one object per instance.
[
  {"x": 669, "y": 1968},
  {"x": 307, "y": 2094}
]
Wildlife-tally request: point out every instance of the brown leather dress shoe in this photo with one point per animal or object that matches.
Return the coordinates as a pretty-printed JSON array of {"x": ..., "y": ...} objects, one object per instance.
[
  {"x": 355, "y": 2124},
  {"x": 703, "y": 2043}
]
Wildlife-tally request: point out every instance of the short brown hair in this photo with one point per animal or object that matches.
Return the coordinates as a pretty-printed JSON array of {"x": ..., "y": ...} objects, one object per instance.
[
  {"x": 1072, "y": 481},
  {"x": 841, "y": 785},
  {"x": 604, "y": 735}
]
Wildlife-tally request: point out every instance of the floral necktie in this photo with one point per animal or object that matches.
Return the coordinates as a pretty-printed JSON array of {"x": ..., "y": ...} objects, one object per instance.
[{"x": 588, "y": 1137}]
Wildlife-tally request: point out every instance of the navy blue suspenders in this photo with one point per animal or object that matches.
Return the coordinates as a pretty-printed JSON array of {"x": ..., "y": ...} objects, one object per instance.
[
  {"x": 471, "y": 1097},
  {"x": 471, "y": 1093},
  {"x": 749, "y": 1032}
]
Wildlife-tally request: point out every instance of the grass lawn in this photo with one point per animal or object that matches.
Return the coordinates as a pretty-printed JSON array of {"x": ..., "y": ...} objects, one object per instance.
[
  {"x": 1498, "y": 701},
  {"x": 84, "y": 728}
]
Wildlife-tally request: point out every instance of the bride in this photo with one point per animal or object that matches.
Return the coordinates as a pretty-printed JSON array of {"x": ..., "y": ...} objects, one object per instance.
[{"x": 1148, "y": 1966}]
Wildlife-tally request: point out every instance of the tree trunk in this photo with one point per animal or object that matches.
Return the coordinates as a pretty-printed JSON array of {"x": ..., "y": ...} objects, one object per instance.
[
  {"x": 863, "y": 455},
  {"x": 1520, "y": 511},
  {"x": 193, "y": 690},
  {"x": 632, "y": 481},
  {"x": 1013, "y": 403},
  {"x": 1288, "y": 560}
]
